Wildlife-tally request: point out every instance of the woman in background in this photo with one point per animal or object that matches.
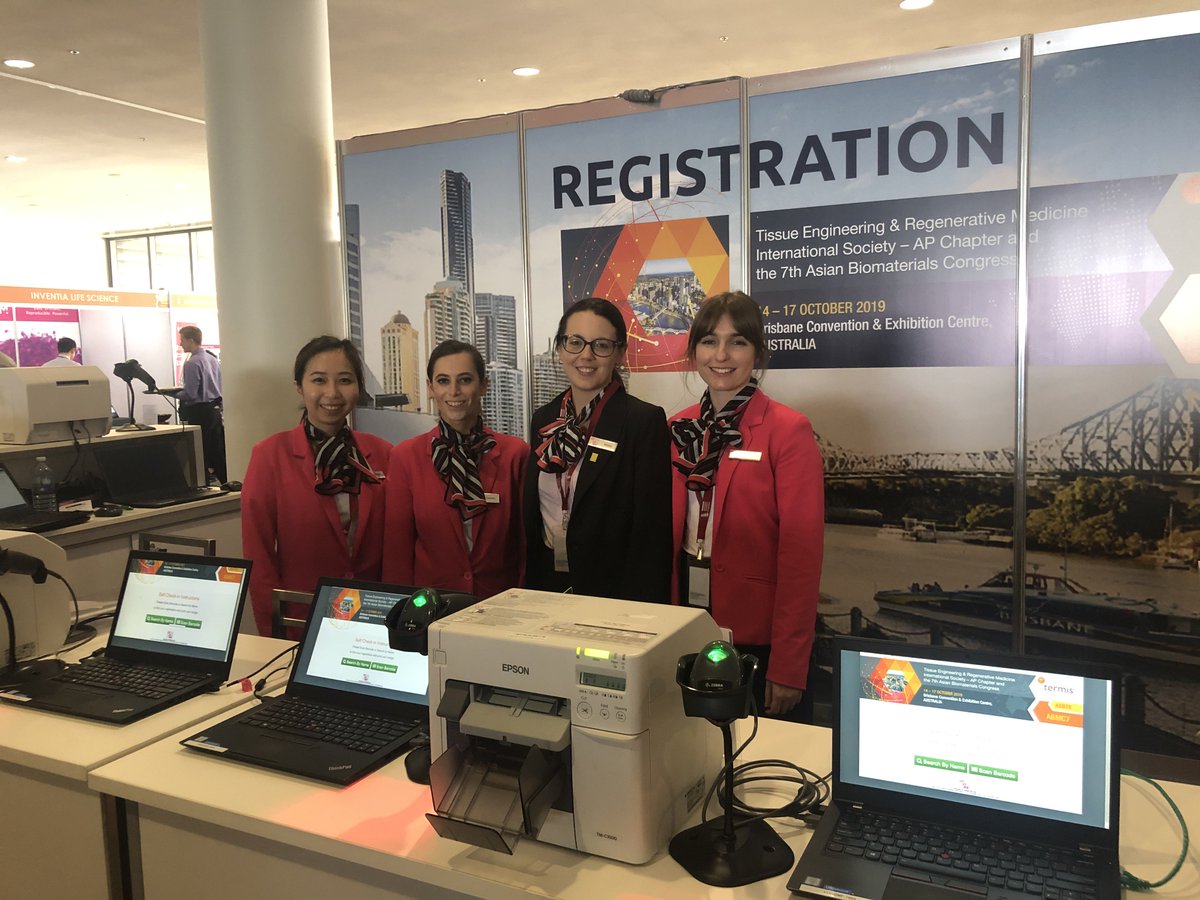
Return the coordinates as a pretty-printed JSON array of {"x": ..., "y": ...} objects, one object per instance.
[
  {"x": 748, "y": 503},
  {"x": 454, "y": 496},
  {"x": 312, "y": 499},
  {"x": 598, "y": 487}
]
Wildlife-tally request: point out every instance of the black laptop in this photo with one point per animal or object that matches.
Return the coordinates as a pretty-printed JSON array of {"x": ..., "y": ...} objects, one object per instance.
[
  {"x": 146, "y": 474},
  {"x": 172, "y": 638},
  {"x": 961, "y": 774},
  {"x": 352, "y": 703},
  {"x": 17, "y": 515}
]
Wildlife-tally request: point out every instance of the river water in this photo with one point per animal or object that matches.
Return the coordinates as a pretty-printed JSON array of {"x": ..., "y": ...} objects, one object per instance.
[{"x": 860, "y": 560}]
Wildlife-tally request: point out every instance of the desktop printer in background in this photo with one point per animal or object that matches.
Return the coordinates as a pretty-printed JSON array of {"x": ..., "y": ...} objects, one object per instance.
[
  {"x": 45, "y": 404},
  {"x": 557, "y": 717}
]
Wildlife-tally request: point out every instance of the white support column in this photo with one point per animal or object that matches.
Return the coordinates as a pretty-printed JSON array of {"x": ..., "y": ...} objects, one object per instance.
[{"x": 273, "y": 180}]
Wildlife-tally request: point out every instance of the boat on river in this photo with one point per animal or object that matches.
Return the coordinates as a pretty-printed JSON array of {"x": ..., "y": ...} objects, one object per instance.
[{"x": 1059, "y": 611}]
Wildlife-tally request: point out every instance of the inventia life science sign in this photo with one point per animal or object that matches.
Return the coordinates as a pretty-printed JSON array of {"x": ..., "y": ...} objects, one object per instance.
[{"x": 89, "y": 297}]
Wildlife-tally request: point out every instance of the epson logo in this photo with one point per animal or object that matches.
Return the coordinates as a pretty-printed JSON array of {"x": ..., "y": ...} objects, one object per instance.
[{"x": 515, "y": 669}]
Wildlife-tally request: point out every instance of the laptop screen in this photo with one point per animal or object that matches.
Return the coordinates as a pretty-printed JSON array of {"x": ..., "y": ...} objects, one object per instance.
[
  {"x": 345, "y": 645},
  {"x": 150, "y": 467},
  {"x": 10, "y": 495},
  {"x": 185, "y": 606},
  {"x": 1032, "y": 742}
]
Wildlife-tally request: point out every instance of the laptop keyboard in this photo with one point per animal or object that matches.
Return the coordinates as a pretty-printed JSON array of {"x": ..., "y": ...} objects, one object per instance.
[
  {"x": 141, "y": 680},
  {"x": 987, "y": 860},
  {"x": 347, "y": 728}
]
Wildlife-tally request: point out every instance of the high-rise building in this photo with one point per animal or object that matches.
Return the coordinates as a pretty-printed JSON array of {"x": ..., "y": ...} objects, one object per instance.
[
  {"x": 548, "y": 378},
  {"x": 496, "y": 328},
  {"x": 353, "y": 248},
  {"x": 458, "y": 242},
  {"x": 448, "y": 314},
  {"x": 504, "y": 402},
  {"x": 402, "y": 360}
]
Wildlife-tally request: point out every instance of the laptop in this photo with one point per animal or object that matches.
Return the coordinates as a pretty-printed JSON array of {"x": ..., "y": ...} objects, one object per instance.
[
  {"x": 16, "y": 514},
  {"x": 351, "y": 704},
  {"x": 148, "y": 474},
  {"x": 172, "y": 637},
  {"x": 963, "y": 774}
]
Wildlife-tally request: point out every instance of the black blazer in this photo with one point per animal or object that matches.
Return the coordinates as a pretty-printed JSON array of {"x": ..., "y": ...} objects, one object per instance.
[{"x": 619, "y": 538}]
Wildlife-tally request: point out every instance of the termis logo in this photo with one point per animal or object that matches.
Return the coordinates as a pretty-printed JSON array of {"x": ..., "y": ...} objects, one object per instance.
[{"x": 514, "y": 668}]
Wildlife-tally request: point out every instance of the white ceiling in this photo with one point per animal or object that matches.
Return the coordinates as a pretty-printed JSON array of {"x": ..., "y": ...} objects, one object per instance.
[{"x": 108, "y": 166}]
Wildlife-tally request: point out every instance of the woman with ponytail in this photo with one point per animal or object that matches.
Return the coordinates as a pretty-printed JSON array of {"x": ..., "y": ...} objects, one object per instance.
[
  {"x": 312, "y": 501},
  {"x": 454, "y": 495},
  {"x": 748, "y": 504}
]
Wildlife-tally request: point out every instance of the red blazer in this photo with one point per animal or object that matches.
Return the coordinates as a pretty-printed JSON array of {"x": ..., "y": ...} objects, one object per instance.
[
  {"x": 294, "y": 534},
  {"x": 424, "y": 536},
  {"x": 768, "y": 527}
]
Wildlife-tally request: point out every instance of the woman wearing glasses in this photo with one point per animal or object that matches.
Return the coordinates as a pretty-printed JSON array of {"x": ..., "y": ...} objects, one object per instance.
[
  {"x": 598, "y": 486},
  {"x": 749, "y": 503},
  {"x": 454, "y": 497}
]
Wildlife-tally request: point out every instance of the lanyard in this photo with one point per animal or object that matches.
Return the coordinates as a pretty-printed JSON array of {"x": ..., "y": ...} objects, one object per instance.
[{"x": 702, "y": 523}]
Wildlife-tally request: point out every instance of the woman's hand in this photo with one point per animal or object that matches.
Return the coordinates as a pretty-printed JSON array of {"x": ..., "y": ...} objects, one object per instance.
[{"x": 780, "y": 698}]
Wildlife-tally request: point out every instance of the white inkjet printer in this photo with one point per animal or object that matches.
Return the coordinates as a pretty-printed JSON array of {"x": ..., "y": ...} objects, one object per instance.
[{"x": 557, "y": 717}]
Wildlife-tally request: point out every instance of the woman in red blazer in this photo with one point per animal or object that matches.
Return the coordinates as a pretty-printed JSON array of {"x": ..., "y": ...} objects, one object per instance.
[
  {"x": 454, "y": 496},
  {"x": 748, "y": 503},
  {"x": 312, "y": 500}
]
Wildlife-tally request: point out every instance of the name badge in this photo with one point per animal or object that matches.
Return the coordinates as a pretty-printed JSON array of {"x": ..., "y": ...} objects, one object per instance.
[
  {"x": 699, "y": 589},
  {"x": 748, "y": 455},
  {"x": 602, "y": 444},
  {"x": 491, "y": 498}
]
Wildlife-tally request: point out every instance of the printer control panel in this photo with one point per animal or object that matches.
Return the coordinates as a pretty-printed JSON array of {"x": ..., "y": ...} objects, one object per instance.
[{"x": 602, "y": 690}]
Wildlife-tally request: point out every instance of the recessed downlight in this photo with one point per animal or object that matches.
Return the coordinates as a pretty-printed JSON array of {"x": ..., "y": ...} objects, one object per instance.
[
  {"x": 18, "y": 64},
  {"x": 915, "y": 4},
  {"x": 16, "y": 159},
  {"x": 526, "y": 71}
]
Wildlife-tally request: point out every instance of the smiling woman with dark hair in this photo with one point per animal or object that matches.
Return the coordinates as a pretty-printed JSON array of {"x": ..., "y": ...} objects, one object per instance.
[
  {"x": 454, "y": 495},
  {"x": 598, "y": 485},
  {"x": 749, "y": 508},
  {"x": 312, "y": 501}
]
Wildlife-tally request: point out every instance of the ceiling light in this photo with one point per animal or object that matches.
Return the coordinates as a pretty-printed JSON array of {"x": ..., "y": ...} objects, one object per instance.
[
  {"x": 18, "y": 64},
  {"x": 16, "y": 159},
  {"x": 526, "y": 71},
  {"x": 915, "y": 4},
  {"x": 481, "y": 80},
  {"x": 724, "y": 39},
  {"x": 74, "y": 52}
]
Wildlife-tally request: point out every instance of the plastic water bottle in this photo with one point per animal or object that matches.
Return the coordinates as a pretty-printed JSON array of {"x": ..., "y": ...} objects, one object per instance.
[{"x": 45, "y": 498}]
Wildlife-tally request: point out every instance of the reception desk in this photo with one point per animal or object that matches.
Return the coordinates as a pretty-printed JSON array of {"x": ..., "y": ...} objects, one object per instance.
[
  {"x": 212, "y": 828},
  {"x": 59, "y": 838}
]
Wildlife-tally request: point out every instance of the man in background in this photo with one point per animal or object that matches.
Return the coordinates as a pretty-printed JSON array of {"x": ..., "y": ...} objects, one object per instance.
[
  {"x": 66, "y": 354},
  {"x": 200, "y": 398}
]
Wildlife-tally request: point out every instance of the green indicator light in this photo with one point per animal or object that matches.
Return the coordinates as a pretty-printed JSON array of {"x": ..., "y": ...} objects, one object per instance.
[
  {"x": 596, "y": 654},
  {"x": 419, "y": 600},
  {"x": 716, "y": 654}
]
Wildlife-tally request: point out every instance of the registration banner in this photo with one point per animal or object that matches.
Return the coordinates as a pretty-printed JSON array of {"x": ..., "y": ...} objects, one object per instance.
[
  {"x": 641, "y": 206},
  {"x": 883, "y": 226}
]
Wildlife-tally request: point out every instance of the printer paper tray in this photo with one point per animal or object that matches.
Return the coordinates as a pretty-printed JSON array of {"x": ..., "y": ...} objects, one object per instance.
[{"x": 491, "y": 795}]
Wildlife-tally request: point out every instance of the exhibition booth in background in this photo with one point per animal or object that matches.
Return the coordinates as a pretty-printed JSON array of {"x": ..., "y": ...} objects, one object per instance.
[
  {"x": 109, "y": 326},
  {"x": 978, "y": 271}
]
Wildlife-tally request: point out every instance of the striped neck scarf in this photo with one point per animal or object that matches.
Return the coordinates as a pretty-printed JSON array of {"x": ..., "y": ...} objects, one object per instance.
[
  {"x": 456, "y": 457},
  {"x": 701, "y": 441},
  {"x": 340, "y": 467},
  {"x": 563, "y": 439}
]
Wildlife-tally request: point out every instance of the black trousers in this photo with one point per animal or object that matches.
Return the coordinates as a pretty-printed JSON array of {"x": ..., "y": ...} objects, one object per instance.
[{"x": 212, "y": 433}]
